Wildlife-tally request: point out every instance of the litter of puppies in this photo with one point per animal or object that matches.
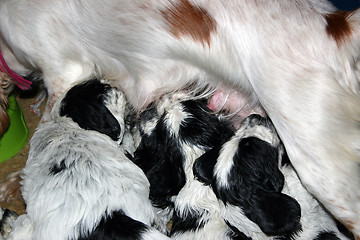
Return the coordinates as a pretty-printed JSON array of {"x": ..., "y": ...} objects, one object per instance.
[{"x": 93, "y": 175}]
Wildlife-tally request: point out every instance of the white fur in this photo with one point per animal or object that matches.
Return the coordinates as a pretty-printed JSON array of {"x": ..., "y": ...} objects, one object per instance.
[
  {"x": 22, "y": 229},
  {"x": 98, "y": 179},
  {"x": 277, "y": 53}
]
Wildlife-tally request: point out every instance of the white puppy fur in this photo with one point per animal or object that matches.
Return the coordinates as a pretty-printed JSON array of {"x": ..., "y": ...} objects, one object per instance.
[
  {"x": 77, "y": 180},
  {"x": 298, "y": 59}
]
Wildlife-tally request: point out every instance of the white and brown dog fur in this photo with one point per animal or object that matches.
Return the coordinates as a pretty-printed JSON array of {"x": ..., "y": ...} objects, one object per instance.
[
  {"x": 298, "y": 59},
  {"x": 78, "y": 182}
]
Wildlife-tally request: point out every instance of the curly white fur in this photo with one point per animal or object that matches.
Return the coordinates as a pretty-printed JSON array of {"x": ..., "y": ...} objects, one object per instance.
[{"x": 96, "y": 180}]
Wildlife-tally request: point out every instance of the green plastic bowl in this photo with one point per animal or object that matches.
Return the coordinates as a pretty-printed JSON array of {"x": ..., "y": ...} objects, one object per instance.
[{"x": 17, "y": 134}]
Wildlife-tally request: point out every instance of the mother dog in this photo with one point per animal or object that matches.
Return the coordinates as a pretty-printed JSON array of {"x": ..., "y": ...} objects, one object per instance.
[{"x": 298, "y": 59}]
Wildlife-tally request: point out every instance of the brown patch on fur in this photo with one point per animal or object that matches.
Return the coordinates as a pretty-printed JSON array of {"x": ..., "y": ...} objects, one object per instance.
[
  {"x": 185, "y": 19},
  {"x": 338, "y": 26}
]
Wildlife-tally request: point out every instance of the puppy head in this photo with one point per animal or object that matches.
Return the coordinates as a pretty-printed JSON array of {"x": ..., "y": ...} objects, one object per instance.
[
  {"x": 245, "y": 174},
  {"x": 95, "y": 105}
]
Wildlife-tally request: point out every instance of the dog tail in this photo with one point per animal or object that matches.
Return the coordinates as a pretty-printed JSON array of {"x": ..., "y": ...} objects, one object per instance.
[{"x": 5, "y": 84}]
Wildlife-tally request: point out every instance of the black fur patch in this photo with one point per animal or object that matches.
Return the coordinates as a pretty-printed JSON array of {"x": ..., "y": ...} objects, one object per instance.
[
  {"x": 203, "y": 128},
  {"x": 84, "y": 104},
  {"x": 57, "y": 168},
  {"x": 326, "y": 236},
  {"x": 204, "y": 166},
  {"x": 117, "y": 226},
  {"x": 190, "y": 223}
]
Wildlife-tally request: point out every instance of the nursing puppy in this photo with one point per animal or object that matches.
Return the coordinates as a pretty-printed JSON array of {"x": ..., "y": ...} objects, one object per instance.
[
  {"x": 78, "y": 182},
  {"x": 175, "y": 132},
  {"x": 251, "y": 175},
  {"x": 297, "y": 59}
]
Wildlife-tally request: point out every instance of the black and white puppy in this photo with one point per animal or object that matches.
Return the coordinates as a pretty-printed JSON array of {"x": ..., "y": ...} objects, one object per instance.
[
  {"x": 78, "y": 182},
  {"x": 175, "y": 131},
  {"x": 253, "y": 178}
]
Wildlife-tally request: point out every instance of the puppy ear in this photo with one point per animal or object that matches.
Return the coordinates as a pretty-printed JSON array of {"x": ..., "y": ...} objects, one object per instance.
[
  {"x": 275, "y": 213},
  {"x": 204, "y": 166}
]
